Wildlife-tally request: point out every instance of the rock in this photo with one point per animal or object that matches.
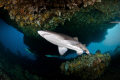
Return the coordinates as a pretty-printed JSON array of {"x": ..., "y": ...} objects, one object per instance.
[{"x": 86, "y": 67}]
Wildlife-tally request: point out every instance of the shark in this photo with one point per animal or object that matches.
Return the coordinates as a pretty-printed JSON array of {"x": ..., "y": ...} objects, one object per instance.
[
  {"x": 64, "y": 42},
  {"x": 117, "y": 50}
]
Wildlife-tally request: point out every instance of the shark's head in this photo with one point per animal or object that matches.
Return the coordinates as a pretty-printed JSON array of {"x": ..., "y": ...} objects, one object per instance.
[
  {"x": 87, "y": 51},
  {"x": 83, "y": 47},
  {"x": 43, "y": 33}
]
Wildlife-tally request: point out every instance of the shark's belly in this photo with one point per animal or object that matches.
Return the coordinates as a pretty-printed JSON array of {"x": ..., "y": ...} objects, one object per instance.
[
  {"x": 55, "y": 40},
  {"x": 65, "y": 43},
  {"x": 62, "y": 43},
  {"x": 73, "y": 47}
]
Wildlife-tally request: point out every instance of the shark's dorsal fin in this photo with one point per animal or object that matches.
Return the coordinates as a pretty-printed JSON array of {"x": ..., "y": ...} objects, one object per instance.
[
  {"x": 75, "y": 38},
  {"x": 84, "y": 44},
  {"x": 62, "y": 50}
]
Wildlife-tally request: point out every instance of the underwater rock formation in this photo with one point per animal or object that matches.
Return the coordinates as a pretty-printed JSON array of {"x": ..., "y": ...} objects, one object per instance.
[
  {"x": 3, "y": 75},
  {"x": 87, "y": 67},
  {"x": 10, "y": 68},
  {"x": 33, "y": 15},
  {"x": 78, "y": 19},
  {"x": 43, "y": 13}
]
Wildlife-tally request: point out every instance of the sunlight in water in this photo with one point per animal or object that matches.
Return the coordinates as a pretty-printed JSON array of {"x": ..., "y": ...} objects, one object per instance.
[
  {"x": 110, "y": 43},
  {"x": 113, "y": 37}
]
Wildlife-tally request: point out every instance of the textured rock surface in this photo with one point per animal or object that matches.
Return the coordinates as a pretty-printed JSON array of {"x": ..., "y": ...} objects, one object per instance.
[
  {"x": 87, "y": 67},
  {"x": 43, "y": 13},
  {"x": 25, "y": 16},
  {"x": 86, "y": 24},
  {"x": 33, "y": 15}
]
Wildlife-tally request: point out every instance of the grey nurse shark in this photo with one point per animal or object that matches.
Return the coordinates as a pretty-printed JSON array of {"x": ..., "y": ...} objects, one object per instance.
[
  {"x": 64, "y": 42},
  {"x": 116, "y": 51}
]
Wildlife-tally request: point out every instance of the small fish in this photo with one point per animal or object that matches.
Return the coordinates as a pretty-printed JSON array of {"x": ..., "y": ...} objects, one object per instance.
[
  {"x": 29, "y": 51},
  {"x": 55, "y": 56},
  {"x": 70, "y": 56},
  {"x": 64, "y": 42}
]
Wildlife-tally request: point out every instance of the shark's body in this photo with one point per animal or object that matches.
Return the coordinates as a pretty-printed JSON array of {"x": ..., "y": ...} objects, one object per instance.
[
  {"x": 64, "y": 42},
  {"x": 117, "y": 50}
]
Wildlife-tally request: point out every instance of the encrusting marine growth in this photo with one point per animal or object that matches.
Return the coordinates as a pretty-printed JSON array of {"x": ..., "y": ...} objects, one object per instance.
[{"x": 87, "y": 67}]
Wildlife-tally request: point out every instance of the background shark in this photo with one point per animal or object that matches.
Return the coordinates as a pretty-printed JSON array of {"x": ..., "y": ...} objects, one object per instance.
[
  {"x": 64, "y": 42},
  {"x": 117, "y": 50}
]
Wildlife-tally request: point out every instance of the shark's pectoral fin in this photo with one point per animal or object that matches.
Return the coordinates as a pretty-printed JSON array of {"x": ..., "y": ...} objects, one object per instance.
[
  {"x": 62, "y": 50},
  {"x": 80, "y": 52}
]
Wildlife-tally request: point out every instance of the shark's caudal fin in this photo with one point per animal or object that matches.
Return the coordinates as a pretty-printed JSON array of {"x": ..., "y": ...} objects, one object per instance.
[{"x": 62, "y": 50}]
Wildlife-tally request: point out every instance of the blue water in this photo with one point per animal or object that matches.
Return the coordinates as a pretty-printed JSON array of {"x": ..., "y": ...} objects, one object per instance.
[
  {"x": 13, "y": 39},
  {"x": 112, "y": 39},
  {"x": 110, "y": 43}
]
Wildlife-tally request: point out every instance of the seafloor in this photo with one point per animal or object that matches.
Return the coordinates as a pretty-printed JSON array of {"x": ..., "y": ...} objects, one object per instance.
[{"x": 15, "y": 67}]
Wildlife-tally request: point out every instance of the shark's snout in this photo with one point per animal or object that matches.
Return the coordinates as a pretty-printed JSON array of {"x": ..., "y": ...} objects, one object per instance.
[
  {"x": 87, "y": 52},
  {"x": 43, "y": 33},
  {"x": 40, "y": 32}
]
